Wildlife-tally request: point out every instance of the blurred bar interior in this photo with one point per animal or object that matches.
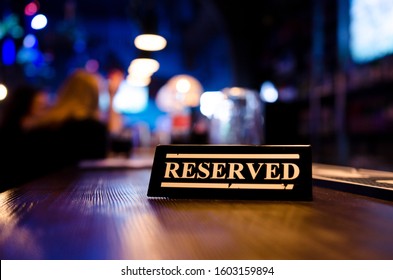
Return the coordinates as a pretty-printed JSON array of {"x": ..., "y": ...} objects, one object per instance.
[{"x": 313, "y": 72}]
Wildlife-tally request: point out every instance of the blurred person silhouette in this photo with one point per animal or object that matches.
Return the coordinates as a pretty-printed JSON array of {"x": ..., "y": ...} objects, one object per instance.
[
  {"x": 21, "y": 107},
  {"x": 71, "y": 130}
]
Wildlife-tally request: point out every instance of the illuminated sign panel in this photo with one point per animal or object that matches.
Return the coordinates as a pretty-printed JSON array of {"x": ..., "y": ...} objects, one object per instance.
[{"x": 232, "y": 172}]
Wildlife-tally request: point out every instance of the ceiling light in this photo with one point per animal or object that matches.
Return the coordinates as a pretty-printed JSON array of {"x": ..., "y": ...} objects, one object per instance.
[
  {"x": 180, "y": 92},
  {"x": 143, "y": 66},
  {"x": 150, "y": 42},
  {"x": 138, "y": 81}
]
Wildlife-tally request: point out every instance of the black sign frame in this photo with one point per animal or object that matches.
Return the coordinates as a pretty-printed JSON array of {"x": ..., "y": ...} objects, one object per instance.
[{"x": 262, "y": 172}]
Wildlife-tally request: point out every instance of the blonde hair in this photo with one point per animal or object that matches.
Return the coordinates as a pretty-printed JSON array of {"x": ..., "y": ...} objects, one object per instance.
[{"x": 77, "y": 99}]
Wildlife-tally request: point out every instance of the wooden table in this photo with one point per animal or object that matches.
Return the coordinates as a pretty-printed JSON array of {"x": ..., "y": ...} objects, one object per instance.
[{"x": 105, "y": 214}]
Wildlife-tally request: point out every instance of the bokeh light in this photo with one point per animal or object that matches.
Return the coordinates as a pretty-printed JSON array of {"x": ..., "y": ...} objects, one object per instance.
[
  {"x": 143, "y": 66},
  {"x": 29, "y": 41},
  {"x": 3, "y": 92},
  {"x": 130, "y": 99},
  {"x": 209, "y": 102},
  {"x": 268, "y": 92},
  {"x": 179, "y": 93},
  {"x": 92, "y": 65},
  {"x": 39, "y": 22},
  {"x": 150, "y": 42},
  {"x": 8, "y": 52},
  {"x": 31, "y": 9}
]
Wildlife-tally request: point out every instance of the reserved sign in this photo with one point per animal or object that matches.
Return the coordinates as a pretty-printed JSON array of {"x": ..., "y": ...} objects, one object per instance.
[{"x": 275, "y": 172}]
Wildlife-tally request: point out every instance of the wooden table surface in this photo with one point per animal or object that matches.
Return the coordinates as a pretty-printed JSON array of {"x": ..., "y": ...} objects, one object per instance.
[{"x": 105, "y": 214}]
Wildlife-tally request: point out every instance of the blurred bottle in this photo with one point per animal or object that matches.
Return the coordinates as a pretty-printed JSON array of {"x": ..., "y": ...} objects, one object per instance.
[{"x": 238, "y": 118}]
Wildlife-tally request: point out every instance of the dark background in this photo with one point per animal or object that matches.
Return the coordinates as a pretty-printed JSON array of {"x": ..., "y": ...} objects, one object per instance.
[{"x": 340, "y": 107}]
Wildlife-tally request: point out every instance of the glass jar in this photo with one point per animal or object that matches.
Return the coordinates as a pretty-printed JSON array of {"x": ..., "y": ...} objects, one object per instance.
[{"x": 238, "y": 118}]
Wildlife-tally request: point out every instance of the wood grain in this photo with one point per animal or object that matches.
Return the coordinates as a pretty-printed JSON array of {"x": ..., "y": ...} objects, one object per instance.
[{"x": 105, "y": 214}]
